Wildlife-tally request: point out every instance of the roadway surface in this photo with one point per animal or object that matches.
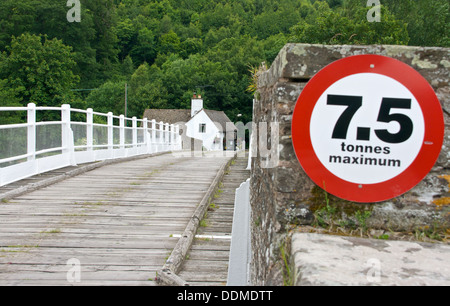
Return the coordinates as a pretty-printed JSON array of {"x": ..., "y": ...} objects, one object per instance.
[{"x": 115, "y": 225}]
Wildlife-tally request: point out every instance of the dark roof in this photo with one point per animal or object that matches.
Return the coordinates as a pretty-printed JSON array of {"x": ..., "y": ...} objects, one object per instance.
[
  {"x": 170, "y": 116},
  {"x": 221, "y": 120},
  {"x": 173, "y": 116}
]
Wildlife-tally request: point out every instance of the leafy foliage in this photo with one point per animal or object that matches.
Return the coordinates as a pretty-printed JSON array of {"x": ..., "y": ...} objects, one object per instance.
[
  {"x": 167, "y": 49},
  {"x": 341, "y": 26},
  {"x": 38, "y": 70}
]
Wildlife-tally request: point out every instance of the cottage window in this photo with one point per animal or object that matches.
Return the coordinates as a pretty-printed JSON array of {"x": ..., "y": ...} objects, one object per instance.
[{"x": 202, "y": 128}]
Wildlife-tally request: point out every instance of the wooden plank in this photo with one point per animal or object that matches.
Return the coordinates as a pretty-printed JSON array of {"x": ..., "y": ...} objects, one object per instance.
[
  {"x": 207, "y": 276},
  {"x": 117, "y": 220},
  {"x": 84, "y": 282},
  {"x": 85, "y": 275},
  {"x": 207, "y": 261}
]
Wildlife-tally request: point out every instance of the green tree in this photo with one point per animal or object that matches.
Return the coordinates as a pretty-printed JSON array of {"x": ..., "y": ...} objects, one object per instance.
[
  {"x": 126, "y": 35},
  {"x": 349, "y": 25},
  {"x": 428, "y": 21},
  {"x": 110, "y": 97},
  {"x": 48, "y": 17},
  {"x": 278, "y": 18},
  {"x": 145, "y": 48},
  {"x": 105, "y": 18},
  {"x": 169, "y": 43},
  {"x": 39, "y": 70},
  {"x": 146, "y": 90},
  {"x": 167, "y": 49},
  {"x": 15, "y": 19},
  {"x": 127, "y": 67},
  {"x": 9, "y": 97}
]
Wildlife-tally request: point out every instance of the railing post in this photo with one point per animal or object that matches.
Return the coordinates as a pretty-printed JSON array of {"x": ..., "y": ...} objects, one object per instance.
[
  {"x": 180, "y": 138},
  {"x": 67, "y": 141},
  {"x": 31, "y": 131},
  {"x": 90, "y": 129},
  {"x": 171, "y": 136},
  {"x": 154, "y": 144},
  {"x": 146, "y": 135},
  {"x": 122, "y": 131},
  {"x": 166, "y": 136},
  {"x": 134, "y": 125},
  {"x": 161, "y": 133},
  {"x": 177, "y": 137},
  {"x": 65, "y": 121},
  {"x": 110, "y": 134}
]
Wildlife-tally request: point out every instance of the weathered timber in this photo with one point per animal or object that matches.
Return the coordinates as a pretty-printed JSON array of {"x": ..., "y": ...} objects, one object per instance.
[
  {"x": 206, "y": 263},
  {"x": 117, "y": 220}
]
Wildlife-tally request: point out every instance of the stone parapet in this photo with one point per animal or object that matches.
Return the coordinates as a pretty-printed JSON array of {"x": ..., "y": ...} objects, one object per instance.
[{"x": 282, "y": 195}]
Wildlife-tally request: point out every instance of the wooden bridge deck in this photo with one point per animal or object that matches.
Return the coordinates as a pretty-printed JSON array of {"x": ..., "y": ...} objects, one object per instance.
[
  {"x": 207, "y": 261},
  {"x": 119, "y": 221}
]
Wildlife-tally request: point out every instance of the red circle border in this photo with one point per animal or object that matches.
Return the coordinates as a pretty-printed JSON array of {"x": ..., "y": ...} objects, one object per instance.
[{"x": 416, "y": 172}]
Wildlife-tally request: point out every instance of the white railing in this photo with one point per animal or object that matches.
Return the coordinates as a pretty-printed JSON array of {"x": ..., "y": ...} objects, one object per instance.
[
  {"x": 80, "y": 136},
  {"x": 240, "y": 259}
]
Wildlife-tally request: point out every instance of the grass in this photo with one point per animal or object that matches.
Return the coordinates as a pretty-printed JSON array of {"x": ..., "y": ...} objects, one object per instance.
[
  {"x": 18, "y": 248},
  {"x": 434, "y": 232},
  {"x": 362, "y": 217},
  {"x": 324, "y": 216},
  {"x": 288, "y": 275},
  {"x": 213, "y": 206},
  {"x": 75, "y": 215},
  {"x": 383, "y": 237},
  {"x": 334, "y": 217},
  {"x": 257, "y": 221},
  {"x": 218, "y": 193},
  {"x": 53, "y": 231},
  {"x": 151, "y": 173},
  {"x": 98, "y": 203},
  {"x": 340, "y": 218}
]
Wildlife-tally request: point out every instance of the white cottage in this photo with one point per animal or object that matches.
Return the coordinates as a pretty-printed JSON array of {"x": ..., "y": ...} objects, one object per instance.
[{"x": 213, "y": 128}]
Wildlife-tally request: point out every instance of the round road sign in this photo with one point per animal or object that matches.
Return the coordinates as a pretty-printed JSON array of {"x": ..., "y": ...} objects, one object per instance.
[{"x": 367, "y": 128}]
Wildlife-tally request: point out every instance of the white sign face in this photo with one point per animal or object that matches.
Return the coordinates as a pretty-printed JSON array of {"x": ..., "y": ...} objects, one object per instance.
[{"x": 367, "y": 128}]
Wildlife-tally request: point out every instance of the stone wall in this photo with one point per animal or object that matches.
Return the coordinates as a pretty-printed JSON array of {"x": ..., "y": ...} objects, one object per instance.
[{"x": 283, "y": 196}]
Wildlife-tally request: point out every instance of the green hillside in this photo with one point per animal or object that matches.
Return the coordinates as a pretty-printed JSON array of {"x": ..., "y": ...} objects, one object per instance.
[{"x": 166, "y": 50}]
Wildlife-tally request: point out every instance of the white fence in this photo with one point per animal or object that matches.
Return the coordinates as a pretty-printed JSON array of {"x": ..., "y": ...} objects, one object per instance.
[
  {"x": 80, "y": 136},
  {"x": 241, "y": 248}
]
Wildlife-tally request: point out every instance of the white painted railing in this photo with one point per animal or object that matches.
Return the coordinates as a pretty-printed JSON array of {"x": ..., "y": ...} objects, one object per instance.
[
  {"x": 241, "y": 246},
  {"x": 35, "y": 147}
]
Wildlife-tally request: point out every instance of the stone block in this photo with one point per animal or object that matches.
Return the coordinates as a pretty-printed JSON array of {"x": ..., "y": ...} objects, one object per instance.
[
  {"x": 368, "y": 262},
  {"x": 282, "y": 195}
]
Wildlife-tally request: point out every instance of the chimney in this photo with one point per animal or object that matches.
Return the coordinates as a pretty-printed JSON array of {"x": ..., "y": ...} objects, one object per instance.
[{"x": 196, "y": 104}]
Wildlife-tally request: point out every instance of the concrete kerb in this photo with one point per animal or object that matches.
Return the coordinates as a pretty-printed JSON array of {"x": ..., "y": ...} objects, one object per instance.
[
  {"x": 168, "y": 274},
  {"x": 59, "y": 178}
]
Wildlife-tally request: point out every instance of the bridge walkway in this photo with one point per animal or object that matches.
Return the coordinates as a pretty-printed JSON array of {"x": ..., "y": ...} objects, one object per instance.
[
  {"x": 119, "y": 222},
  {"x": 206, "y": 263}
]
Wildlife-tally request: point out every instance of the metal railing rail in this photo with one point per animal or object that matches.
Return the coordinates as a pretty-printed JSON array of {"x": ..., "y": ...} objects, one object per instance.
[{"x": 107, "y": 137}]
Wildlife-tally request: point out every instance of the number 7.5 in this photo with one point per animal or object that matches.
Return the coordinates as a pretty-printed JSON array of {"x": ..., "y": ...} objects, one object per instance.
[{"x": 354, "y": 103}]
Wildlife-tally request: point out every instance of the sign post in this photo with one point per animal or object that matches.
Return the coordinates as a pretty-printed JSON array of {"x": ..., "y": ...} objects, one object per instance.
[{"x": 367, "y": 128}]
